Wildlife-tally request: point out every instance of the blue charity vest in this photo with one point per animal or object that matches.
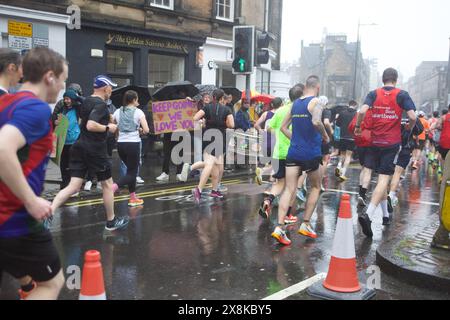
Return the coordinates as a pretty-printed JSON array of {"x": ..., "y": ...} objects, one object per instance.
[{"x": 306, "y": 142}]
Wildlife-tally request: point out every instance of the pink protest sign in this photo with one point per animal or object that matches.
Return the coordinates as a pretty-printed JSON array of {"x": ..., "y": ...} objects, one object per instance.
[{"x": 172, "y": 116}]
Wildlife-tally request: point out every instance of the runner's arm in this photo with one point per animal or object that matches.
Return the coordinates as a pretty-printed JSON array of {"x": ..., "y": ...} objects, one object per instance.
[
  {"x": 361, "y": 115},
  {"x": 317, "y": 110},
  {"x": 286, "y": 124},
  {"x": 144, "y": 125},
  {"x": 260, "y": 122},
  {"x": 412, "y": 118},
  {"x": 199, "y": 115}
]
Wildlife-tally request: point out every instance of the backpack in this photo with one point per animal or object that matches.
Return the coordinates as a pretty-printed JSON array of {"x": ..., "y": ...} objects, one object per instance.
[{"x": 126, "y": 121}]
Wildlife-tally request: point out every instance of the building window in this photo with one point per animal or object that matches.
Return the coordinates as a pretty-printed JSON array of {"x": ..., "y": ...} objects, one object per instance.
[
  {"x": 225, "y": 10},
  {"x": 120, "y": 66},
  {"x": 263, "y": 81},
  {"x": 165, "y": 4},
  {"x": 164, "y": 69}
]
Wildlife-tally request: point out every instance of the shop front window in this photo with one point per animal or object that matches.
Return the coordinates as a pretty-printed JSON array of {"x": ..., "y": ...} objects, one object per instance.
[
  {"x": 164, "y": 69},
  {"x": 120, "y": 66}
]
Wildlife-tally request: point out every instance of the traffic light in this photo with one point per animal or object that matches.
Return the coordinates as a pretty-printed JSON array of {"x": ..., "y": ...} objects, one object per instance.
[
  {"x": 262, "y": 48},
  {"x": 244, "y": 49}
]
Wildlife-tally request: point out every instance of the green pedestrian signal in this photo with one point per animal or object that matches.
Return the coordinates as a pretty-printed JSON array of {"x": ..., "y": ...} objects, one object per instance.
[{"x": 243, "y": 49}]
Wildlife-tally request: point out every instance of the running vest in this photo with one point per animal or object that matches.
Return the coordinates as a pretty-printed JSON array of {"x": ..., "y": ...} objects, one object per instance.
[
  {"x": 126, "y": 121},
  {"x": 445, "y": 135},
  {"x": 306, "y": 142},
  {"x": 386, "y": 119}
]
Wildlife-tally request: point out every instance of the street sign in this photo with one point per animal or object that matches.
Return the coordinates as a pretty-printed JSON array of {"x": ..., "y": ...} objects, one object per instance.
[
  {"x": 19, "y": 43},
  {"x": 20, "y": 29}
]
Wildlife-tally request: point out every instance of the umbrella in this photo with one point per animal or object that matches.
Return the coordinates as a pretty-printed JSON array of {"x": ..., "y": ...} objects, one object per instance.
[
  {"x": 253, "y": 94},
  {"x": 172, "y": 91},
  {"x": 235, "y": 92},
  {"x": 264, "y": 98},
  {"x": 143, "y": 93},
  {"x": 209, "y": 89}
]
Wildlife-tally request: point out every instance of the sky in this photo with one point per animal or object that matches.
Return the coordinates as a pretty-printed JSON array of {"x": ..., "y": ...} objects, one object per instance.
[{"x": 407, "y": 32}]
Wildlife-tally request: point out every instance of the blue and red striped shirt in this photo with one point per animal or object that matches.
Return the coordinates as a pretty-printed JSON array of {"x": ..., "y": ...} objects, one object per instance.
[{"x": 32, "y": 117}]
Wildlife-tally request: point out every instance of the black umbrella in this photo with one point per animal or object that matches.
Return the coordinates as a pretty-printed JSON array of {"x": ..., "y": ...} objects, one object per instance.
[
  {"x": 208, "y": 88},
  {"x": 235, "y": 92},
  {"x": 143, "y": 93},
  {"x": 173, "y": 91}
]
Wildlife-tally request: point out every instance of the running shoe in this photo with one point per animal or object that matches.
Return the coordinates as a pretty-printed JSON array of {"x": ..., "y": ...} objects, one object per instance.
[
  {"x": 390, "y": 206},
  {"x": 88, "y": 186},
  {"x": 362, "y": 202},
  {"x": 164, "y": 177},
  {"x": 395, "y": 201},
  {"x": 258, "y": 176},
  {"x": 222, "y": 188},
  {"x": 386, "y": 221},
  {"x": 216, "y": 194},
  {"x": 197, "y": 195},
  {"x": 117, "y": 224},
  {"x": 301, "y": 195},
  {"x": 265, "y": 210},
  {"x": 307, "y": 231},
  {"x": 337, "y": 172},
  {"x": 290, "y": 219},
  {"x": 135, "y": 202},
  {"x": 281, "y": 237},
  {"x": 343, "y": 178},
  {"x": 23, "y": 295},
  {"x": 139, "y": 180},
  {"x": 185, "y": 172},
  {"x": 366, "y": 225}
]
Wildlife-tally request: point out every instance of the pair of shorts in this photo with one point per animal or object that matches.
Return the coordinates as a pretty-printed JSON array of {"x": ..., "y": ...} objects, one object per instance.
[
  {"x": 404, "y": 158},
  {"x": 34, "y": 255},
  {"x": 362, "y": 153},
  {"x": 306, "y": 166},
  {"x": 443, "y": 152},
  {"x": 347, "y": 145},
  {"x": 382, "y": 159},
  {"x": 326, "y": 149},
  {"x": 86, "y": 159},
  {"x": 280, "y": 166}
]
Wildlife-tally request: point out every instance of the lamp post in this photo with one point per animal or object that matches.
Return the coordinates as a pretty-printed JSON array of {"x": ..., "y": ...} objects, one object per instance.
[{"x": 358, "y": 48}]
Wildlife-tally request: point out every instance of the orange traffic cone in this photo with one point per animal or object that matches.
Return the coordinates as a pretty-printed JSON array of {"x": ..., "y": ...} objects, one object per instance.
[
  {"x": 342, "y": 275},
  {"x": 92, "y": 283},
  {"x": 342, "y": 280}
]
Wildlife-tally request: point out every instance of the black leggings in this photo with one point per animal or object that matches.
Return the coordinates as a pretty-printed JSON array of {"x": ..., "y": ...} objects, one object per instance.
[{"x": 129, "y": 153}]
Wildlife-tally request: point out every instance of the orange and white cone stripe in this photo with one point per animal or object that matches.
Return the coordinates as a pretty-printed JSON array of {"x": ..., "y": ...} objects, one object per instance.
[{"x": 342, "y": 275}]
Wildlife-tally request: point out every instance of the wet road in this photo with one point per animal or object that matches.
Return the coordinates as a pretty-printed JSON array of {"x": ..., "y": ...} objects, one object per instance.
[{"x": 174, "y": 249}]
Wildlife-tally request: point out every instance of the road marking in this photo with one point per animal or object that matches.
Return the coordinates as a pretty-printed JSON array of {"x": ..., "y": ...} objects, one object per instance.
[
  {"x": 342, "y": 191},
  {"x": 302, "y": 286},
  {"x": 85, "y": 203}
]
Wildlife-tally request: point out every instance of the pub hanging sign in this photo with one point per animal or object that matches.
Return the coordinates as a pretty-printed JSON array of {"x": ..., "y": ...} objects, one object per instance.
[{"x": 135, "y": 41}]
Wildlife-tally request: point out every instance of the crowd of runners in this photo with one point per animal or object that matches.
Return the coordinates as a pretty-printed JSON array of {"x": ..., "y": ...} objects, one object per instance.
[{"x": 302, "y": 135}]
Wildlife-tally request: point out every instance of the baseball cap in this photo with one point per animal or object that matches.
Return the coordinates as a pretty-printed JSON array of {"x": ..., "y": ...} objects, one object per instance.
[
  {"x": 103, "y": 81},
  {"x": 421, "y": 114}
]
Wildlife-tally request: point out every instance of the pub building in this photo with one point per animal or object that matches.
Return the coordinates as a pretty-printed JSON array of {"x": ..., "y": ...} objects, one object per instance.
[{"x": 131, "y": 56}]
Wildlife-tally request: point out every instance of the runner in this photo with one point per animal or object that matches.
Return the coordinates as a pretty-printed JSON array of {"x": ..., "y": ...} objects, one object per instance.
[
  {"x": 433, "y": 139},
  {"x": 27, "y": 250},
  {"x": 387, "y": 104},
  {"x": 130, "y": 119},
  {"x": 444, "y": 143},
  {"x": 363, "y": 144},
  {"x": 218, "y": 117},
  {"x": 304, "y": 155},
  {"x": 261, "y": 127},
  {"x": 89, "y": 153},
  {"x": 417, "y": 154},
  {"x": 401, "y": 163},
  {"x": 281, "y": 149},
  {"x": 347, "y": 142},
  {"x": 326, "y": 148}
]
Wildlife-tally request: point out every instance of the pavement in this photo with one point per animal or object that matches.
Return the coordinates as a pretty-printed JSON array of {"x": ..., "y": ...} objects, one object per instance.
[{"x": 222, "y": 250}]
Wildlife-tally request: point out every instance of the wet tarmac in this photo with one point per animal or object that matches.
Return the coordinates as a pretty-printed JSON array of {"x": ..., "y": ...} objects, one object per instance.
[{"x": 221, "y": 249}]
